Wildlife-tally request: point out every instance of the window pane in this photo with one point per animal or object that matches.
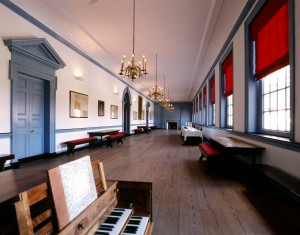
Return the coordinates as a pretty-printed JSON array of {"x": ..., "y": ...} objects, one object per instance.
[
  {"x": 281, "y": 99},
  {"x": 274, "y": 120},
  {"x": 287, "y": 70},
  {"x": 288, "y": 121},
  {"x": 288, "y": 98},
  {"x": 267, "y": 123},
  {"x": 273, "y": 82},
  {"x": 266, "y": 85},
  {"x": 281, "y": 120},
  {"x": 281, "y": 78},
  {"x": 273, "y": 98},
  {"x": 266, "y": 102}
]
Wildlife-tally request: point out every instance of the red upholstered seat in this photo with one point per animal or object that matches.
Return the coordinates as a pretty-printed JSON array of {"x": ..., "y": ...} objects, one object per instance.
[
  {"x": 72, "y": 143},
  {"x": 83, "y": 140},
  {"x": 115, "y": 136},
  {"x": 209, "y": 150}
]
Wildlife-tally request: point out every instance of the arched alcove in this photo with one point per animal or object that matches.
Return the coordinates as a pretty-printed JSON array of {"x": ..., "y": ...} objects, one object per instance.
[{"x": 126, "y": 110}]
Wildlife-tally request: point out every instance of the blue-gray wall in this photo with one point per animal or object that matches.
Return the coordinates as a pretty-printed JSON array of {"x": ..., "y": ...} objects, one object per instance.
[{"x": 182, "y": 113}]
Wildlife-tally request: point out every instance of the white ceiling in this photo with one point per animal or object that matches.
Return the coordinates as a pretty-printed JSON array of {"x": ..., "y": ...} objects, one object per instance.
[{"x": 177, "y": 31}]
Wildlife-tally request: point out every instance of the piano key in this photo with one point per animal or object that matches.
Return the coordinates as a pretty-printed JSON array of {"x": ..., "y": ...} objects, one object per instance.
[
  {"x": 115, "y": 223},
  {"x": 114, "y": 213},
  {"x": 136, "y": 229},
  {"x": 141, "y": 221},
  {"x": 101, "y": 233},
  {"x": 135, "y": 222}
]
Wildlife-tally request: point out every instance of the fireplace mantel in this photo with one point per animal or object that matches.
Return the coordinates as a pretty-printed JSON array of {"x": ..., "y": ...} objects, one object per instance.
[{"x": 172, "y": 124}]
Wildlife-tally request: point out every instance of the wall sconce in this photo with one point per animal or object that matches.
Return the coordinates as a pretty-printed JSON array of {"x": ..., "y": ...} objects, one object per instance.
[{"x": 116, "y": 91}]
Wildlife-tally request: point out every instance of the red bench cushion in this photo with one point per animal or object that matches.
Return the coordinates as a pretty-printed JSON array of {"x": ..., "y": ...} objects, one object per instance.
[
  {"x": 115, "y": 136},
  {"x": 209, "y": 150},
  {"x": 78, "y": 141}
]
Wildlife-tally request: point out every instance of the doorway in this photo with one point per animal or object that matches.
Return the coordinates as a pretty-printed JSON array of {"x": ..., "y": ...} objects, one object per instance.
[
  {"x": 126, "y": 110},
  {"x": 33, "y": 95},
  {"x": 29, "y": 130}
]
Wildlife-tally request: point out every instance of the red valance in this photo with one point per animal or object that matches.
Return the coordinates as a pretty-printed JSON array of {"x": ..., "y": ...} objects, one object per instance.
[
  {"x": 270, "y": 33},
  {"x": 200, "y": 100},
  {"x": 227, "y": 69}
]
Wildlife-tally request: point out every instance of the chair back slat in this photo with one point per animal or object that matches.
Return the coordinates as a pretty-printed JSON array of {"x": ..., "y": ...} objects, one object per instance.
[
  {"x": 99, "y": 176},
  {"x": 35, "y": 211}
]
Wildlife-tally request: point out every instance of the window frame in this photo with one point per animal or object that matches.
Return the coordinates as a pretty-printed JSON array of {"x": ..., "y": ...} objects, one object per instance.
[
  {"x": 222, "y": 97},
  {"x": 253, "y": 88},
  {"x": 211, "y": 107}
]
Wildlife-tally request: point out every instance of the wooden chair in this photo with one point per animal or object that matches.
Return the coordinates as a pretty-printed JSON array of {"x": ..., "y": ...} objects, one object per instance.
[
  {"x": 99, "y": 176},
  {"x": 35, "y": 211}
]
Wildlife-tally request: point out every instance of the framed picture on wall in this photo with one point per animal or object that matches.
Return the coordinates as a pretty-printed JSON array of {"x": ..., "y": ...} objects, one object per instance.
[
  {"x": 114, "y": 112},
  {"x": 78, "y": 105},
  {"x": 100, "y": 108}
]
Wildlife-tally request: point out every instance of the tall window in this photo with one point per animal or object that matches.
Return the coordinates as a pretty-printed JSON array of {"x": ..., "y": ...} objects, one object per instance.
[
  {"x": 269, "y": 33},
  {"x": 276, "y": 101},
  {"x": 212, "y": 92},
  {"x": 140, "y": 107},
  {"x": 200, "y": 107},
  {"x": 204, "y": 105},
  {"x": 227, "y": 70}
]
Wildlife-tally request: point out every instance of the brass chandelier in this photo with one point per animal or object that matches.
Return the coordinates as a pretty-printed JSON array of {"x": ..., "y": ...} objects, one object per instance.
[
  {"x": 169, "y": 107},
  {"x": 163, "y": 101},
  {"x": 156, "y": 91},
  {"x": 134, "y": 70}
]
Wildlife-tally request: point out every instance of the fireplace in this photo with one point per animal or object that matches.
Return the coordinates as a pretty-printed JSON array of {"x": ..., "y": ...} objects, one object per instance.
[{"x": 172, "y": 125}]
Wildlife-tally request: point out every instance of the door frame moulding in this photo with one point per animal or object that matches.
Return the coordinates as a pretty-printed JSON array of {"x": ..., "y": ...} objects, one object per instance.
[{"x": 36, "y": 58}]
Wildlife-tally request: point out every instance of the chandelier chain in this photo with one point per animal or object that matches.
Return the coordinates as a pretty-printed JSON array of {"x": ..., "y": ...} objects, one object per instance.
[
  {"x": 133, "y": 70},
  {"x": 133, "y": 31}
]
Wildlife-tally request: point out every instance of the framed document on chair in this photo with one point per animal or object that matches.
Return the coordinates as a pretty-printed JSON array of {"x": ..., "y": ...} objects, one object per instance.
[{"x": 73, "y": 189}]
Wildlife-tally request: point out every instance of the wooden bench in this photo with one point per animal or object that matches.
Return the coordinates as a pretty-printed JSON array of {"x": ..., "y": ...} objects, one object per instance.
[
  {"x": 122, "y": 132},
  {"x": 281, "y": 180},
  {"x": 115, "y": 137},
  {"x": 138, "y": 131},
  {"x": 72, "y": 143},
  {"x": 145, "y": 129},
  {"x": 209, "y": 153}
]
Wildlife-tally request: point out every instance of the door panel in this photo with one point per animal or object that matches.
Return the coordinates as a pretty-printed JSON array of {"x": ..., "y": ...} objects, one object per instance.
[{"x": 30, "y": 117}]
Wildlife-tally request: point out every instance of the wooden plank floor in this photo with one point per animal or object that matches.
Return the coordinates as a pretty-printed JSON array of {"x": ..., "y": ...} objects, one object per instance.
[{"x": 186, "y": 200}]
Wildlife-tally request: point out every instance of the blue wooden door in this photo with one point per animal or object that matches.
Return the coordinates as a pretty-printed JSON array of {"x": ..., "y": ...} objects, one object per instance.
[{"x": 29, "y": 133}]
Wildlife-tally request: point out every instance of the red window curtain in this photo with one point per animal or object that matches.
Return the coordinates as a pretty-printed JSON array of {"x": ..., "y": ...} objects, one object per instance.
[
  {"x": 204, "y": 96},
  {"x": 270, "y": 33},
  {"x": 227, "y": 68},
  {"x": 200, "y": 100},
  {"x": 212, "y": 89}
]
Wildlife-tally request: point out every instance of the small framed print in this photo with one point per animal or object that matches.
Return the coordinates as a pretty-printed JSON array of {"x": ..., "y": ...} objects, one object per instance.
[
  {"x": 100, "y": 108},
  {"x": 78, "y": 105},
  {"x": 114, "y": 112}
]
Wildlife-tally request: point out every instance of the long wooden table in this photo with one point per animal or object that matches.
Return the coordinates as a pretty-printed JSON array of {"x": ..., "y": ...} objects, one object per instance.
[
  {"x": 102, "y": 133},
  {"x": 235, "y": 146}
]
